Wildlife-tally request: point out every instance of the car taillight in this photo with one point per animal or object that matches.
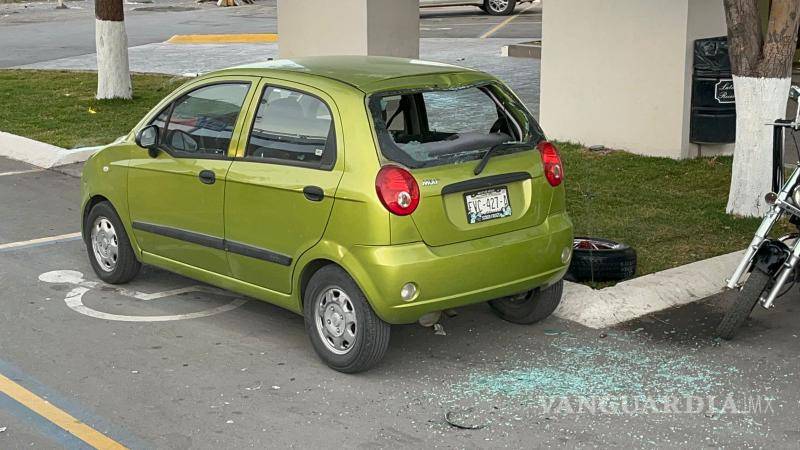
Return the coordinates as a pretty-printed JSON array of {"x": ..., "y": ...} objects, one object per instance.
[
  {"x": 553, "y": 169},
  {"x": 398, "y": 190}
]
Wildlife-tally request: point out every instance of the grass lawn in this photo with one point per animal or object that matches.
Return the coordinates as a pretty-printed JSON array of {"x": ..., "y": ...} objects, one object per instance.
[
  {"x": 671, "y": 212},
  {"x": 59, "y": 107}
]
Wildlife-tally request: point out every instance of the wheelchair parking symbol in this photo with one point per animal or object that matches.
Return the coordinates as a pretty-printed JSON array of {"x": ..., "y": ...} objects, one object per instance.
[{"x": 74, "y": 298}]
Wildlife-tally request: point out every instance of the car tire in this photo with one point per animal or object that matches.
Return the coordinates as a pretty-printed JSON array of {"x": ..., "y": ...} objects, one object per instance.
[
  {"x": 499, "y": 7},
  {"x": 110, "y": 252},
  {"x": 595, "y": 259},
  {"x": 746, "y": 299},
  {"x": 529, "y": 307},
  {"x": 333, "y": 303}
]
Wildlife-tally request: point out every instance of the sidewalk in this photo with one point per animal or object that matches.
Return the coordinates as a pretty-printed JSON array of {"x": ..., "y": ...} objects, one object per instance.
[{"x": 522, "y": 74}]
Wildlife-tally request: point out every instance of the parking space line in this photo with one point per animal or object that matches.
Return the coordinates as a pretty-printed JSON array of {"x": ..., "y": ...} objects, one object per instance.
[
  {"x": 57, "y": 416},
  {"x": 20, "y": 172},
  {"x": 40, "y": 241},
  {"x": 500, "y": 25}
]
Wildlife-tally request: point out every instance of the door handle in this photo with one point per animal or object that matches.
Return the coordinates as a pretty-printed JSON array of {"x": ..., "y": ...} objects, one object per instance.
[
  {"x": 314, "y": 193},
  {"x": 207, "y": 176}
]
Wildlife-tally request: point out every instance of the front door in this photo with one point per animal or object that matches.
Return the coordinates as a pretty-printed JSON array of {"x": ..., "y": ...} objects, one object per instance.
[
  {"x": 280, "y": 192},
  {"x": 176, "y": 198}
]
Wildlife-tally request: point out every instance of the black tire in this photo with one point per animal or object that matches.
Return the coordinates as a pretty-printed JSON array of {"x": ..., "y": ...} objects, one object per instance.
[
  {"x": 127, "y": 266},
  {"x": 606, "y": 261},
  {"x": 743, "y": 304},
  {"x": 371, "y": 335},
  {"x": 529, "y": 307},
  {"x": 493, "y": 11}
]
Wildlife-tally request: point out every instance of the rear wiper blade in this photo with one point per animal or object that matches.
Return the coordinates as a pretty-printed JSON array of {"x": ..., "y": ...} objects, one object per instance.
[{"x": 489, "y": 153}]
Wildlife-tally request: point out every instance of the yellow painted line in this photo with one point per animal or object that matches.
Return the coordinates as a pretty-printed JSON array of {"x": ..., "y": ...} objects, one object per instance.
[
  {"x": 40, "y": 240},
  {"x": 60, "y": 418},
  {"x": 500, "y": 25},
  {"x": 223, "y": 38}
]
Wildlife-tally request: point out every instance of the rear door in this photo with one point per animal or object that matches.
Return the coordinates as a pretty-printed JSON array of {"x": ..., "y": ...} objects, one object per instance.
[{"x": 280, "y": 189}]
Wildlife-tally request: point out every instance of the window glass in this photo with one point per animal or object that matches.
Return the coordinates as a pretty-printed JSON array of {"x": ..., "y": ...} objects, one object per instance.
[
  {"x": 429, "y": 128},
  {"x": 465, "y": 109},
  {"x": 293, "y": 127},
  {"x": 202, "y": 121}
]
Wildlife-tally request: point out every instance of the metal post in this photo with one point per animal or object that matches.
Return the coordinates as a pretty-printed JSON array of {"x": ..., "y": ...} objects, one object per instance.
[{"x": 778, "y": 135}]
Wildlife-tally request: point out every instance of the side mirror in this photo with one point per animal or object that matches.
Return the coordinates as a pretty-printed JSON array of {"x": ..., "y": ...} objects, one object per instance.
[{"x": 147, "y": 138}]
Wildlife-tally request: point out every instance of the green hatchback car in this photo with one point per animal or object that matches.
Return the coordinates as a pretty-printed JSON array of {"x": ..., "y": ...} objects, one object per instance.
[{"x": 357, "y": 191}]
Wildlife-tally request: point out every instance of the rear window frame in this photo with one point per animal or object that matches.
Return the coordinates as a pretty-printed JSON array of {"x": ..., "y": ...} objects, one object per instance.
[{"x": 389, "y": 150}]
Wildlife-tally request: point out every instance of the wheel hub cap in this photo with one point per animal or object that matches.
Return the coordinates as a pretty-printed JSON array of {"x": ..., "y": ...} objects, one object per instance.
[
  {"x": 105, "y": 244},
  {"x": 336, "y": 320}
]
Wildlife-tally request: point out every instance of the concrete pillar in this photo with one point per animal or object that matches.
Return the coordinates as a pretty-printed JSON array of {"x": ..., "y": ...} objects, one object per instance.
[
  {"x": 348, "y": 27},
  {"x": 619, "y": 72}
]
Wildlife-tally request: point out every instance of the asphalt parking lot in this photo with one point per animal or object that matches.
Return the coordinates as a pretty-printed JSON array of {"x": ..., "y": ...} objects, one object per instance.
[
  {"x": 71, "y": 32},
  {"x": 162, "y": 363}
]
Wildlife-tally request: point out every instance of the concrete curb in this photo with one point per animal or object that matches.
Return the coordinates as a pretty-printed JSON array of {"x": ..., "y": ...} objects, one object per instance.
[
  {"x": 532, "y": 49},
  {"x": 648, "y": 294},
  {"x": 41, "y": 154}
]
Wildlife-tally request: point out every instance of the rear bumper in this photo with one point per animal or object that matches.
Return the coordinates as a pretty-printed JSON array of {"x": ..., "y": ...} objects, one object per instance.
[{"x": 460, "y": 274}]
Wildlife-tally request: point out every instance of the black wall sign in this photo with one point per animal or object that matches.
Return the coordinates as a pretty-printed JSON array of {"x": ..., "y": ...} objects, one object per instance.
[{"x": 723, "y": 91}]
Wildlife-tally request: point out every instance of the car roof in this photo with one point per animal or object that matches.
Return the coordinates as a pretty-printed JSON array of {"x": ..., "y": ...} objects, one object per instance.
[{"x": 366, "y": 73}]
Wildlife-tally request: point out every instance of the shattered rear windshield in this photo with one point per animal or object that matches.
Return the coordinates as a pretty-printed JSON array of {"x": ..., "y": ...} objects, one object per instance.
[{"x": 433, "y": 127}]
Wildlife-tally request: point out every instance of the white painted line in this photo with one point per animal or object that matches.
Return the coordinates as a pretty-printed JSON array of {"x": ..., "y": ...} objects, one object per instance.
[
  {"x": 600, "y": 308},
  {"x": 74, "y": 298},
  {"x": 19, "y": 172},
  {"x": 40, "y": 241}
]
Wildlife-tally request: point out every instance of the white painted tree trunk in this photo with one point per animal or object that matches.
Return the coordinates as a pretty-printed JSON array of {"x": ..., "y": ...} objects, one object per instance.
[
  {"x": 113, "y": 72},
  {"x": 758, "y": 101}
]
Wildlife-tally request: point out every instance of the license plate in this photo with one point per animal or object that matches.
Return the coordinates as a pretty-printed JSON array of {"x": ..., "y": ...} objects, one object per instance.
[{"x": 487, "y": 205}]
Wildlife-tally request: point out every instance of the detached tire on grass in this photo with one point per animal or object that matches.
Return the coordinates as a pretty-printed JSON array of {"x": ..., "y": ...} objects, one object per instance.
[{"x": 595, "y": 259}]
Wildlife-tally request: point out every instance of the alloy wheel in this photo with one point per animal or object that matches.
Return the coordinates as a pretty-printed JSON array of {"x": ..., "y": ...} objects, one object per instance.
[{"x": 498, "y": 5}]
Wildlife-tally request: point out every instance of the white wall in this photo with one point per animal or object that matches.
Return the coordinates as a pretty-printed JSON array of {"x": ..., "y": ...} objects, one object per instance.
[
  {"x": 348, "y": 27},
  {"x": 618, "y": 72}
]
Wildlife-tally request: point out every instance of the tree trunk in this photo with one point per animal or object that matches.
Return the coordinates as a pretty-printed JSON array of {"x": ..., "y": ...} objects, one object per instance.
[
  {"x": 761, "y": 79},
  {"x": 758, "y": 101},
  {"x": 113, "y": 72}
]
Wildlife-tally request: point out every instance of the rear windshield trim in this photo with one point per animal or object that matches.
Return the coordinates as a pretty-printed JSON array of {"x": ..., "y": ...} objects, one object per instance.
[
  {"x": 479, "y": 183},
  {"x": 392, "y": 152}
]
